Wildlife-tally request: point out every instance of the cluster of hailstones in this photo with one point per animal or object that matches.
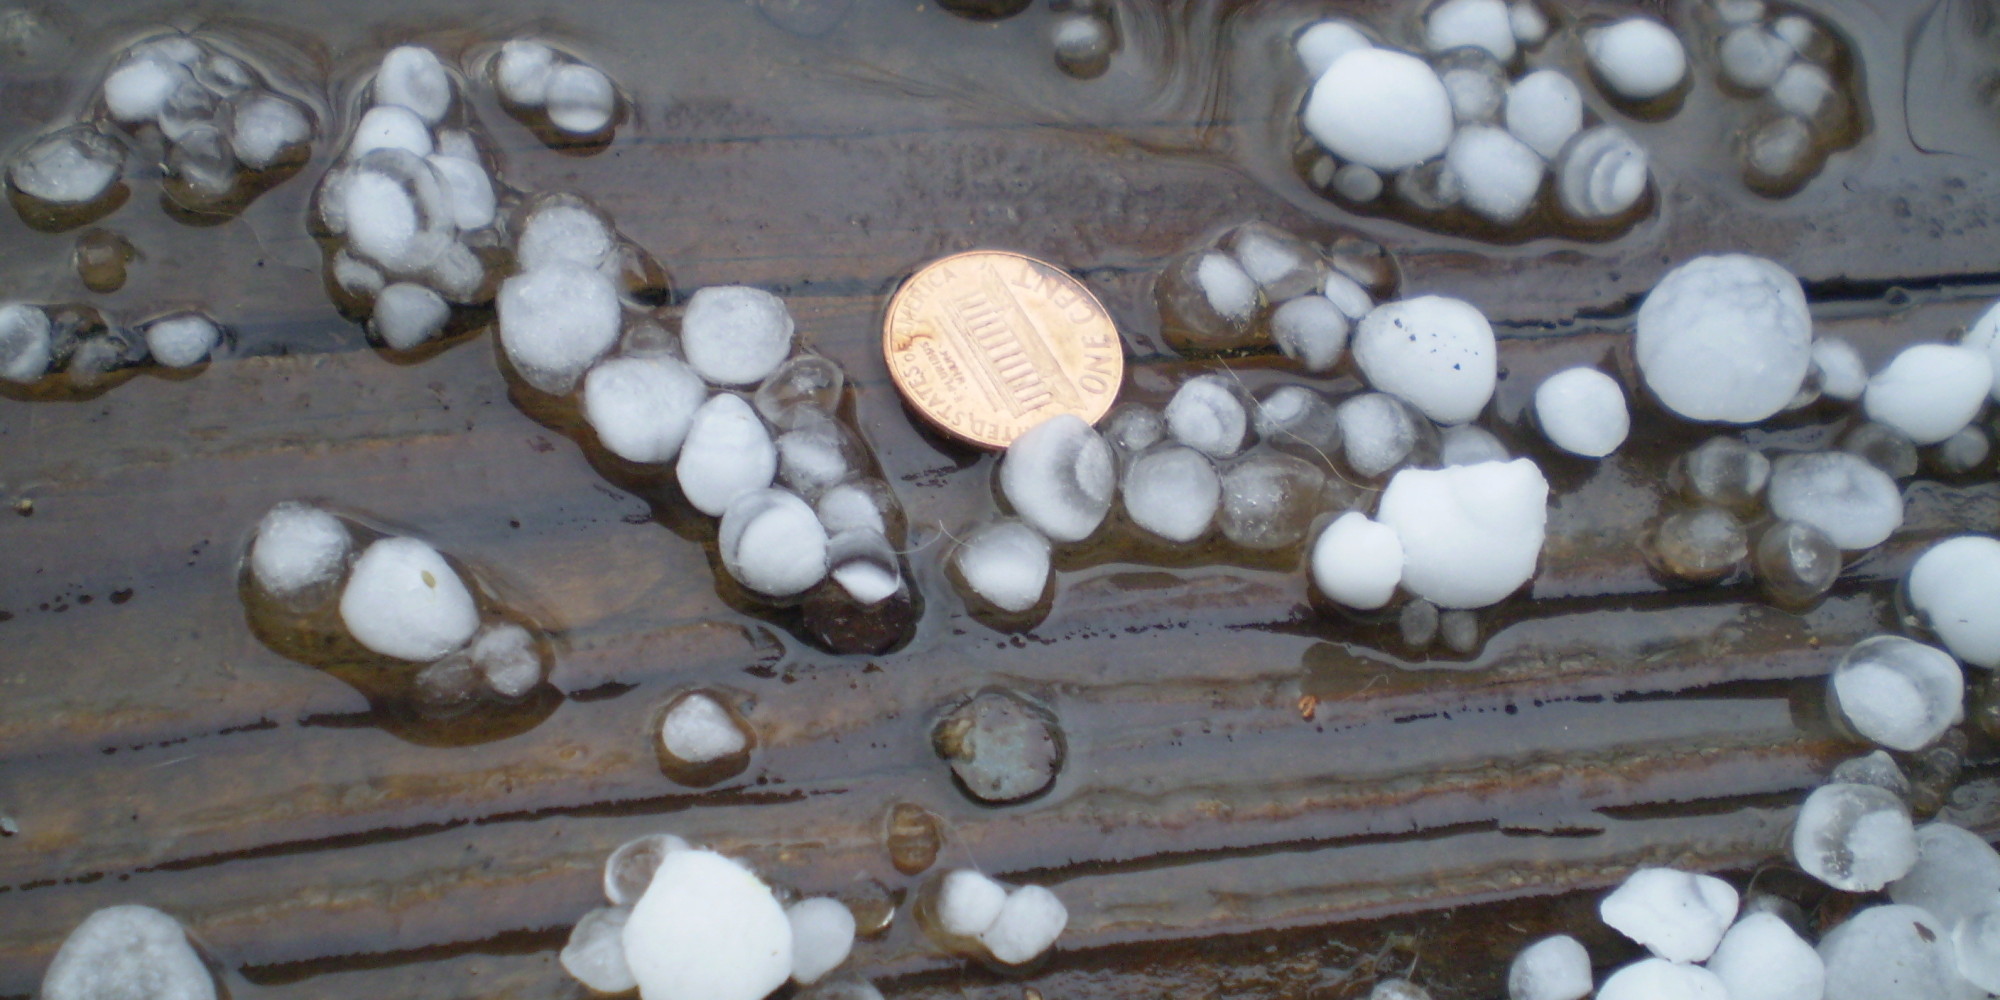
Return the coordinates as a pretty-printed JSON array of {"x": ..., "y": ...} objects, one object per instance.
[
  {"x": 38, "y": 341},
  {"x": 576, "y": 97},
  {"x": 1792, "y": 63},
  {"x": 1470, "y": 125},
  {"x": 397, "y": 597},
  {"x": 685, "y": 923},
  {"x": 219, "y": 120}
]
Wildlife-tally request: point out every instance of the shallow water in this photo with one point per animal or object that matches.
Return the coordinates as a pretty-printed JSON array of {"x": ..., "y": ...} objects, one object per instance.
[{"x": 1261, "y": 795}]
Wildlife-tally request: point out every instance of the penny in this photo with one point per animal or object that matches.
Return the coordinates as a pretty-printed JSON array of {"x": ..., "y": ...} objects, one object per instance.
[{"x": 986, "y": 344}]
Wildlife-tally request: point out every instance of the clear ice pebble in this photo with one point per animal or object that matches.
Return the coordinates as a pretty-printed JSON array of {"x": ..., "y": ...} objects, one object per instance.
[
  {"x": 1283, "y": 265},
  {"x": 74, "y": 166},
  {"x": 1796, "y": 563},
  {"x": 641, "y": 408},
  {"x": 1964, "y": 451},
  {"x": 1377, "y": 430},
  {"x": 1382, "y": 109},
  {"x": 1543, "y": 110},
  {"x": 968, "y": 903},
  {"x": 1976, "y": 942},
  {"x": 1466, "y": 444},
  {"x": 1060, "y": 477},
  {"x": 137, "y": 90},
  {"x": 1028, "y": 924},
  {"x": 1554, "y": 968},
  {"x": 1311, "y": 330},
  {"x": 1173, "y": 492},
  {"x": 1582, "y": 410},
  {"x": 1475, "y": 82},
  {"x": 24, "y": 342},
  {"x": 1082, "y": 44},
  {"x": 1724, "y": 470},
  {"x": 297, "y": 545},
  {"x": 1752, "y": 57},
  {"x": 1435, "y": 352},
  {"x": 1358, "y": 562},
  {"x": 1854, "y": 837},
  {"x": 855, "y": 506},
  {"x": 1530, "y": 25},
  {"x": 1929, "y": 391},
  {"x": 1893, "y": 953},
  {"x": 1006, "y": 563},
  {"x": 773, "y": 543},
  {"x": 822, "y": 935},
  {"x": 707, "y": 929},
  {"x": 1324, "y": 42},
  {"x": 1659, "y": 979},
  {"x": 1295, "y": 417},
  {"x": 1677, "y": 915},
  {"x": 698, "y": 730},
  {"x": 1483, "y": 24},
  {"x": 864, "y": 564},
  {"x": 1803, "y": 89},
  {"x": 1357, "y": 183},
  {"x": 265, "y": 127},
  {"x": 1955, "y": 588},
  {"x": 580, "y": 99},
  {"x": 1208, "y": 415},
  {"x": 127, "y": 953},
  {"x": 1725, "y": 338},
  {"x": 182, "y": 341},
  {"x": 1637, "y": 58},
  {"x": 505, "y": 656},
  {"x": 1878, "y": 769},
  {"x": 1839, "y": 369},
  {"x": 630, "y": 868},
  {"x": 408, "y": 314},
  {"x": 595, "y": 953},
  {"x": 1269, "y": 500},
  {"x": 1956, "y": 877},
  {"x": 411, "y": 77},
  {"x": 556, "y": 321},
  {"x": 403, "y": 600},
  {"x": 1855, "y": 503},
  {"x": 1471, "y": 533},
  {"x": 801, "y": 391},
  {"x": 563, "y": 230},
  {"x": 522, "y": 71},
  {"x": 1762, "y": 958},
  {"x": 726, "y": 454},
  {"x": 390, "y": 126},
  {"x": 1499, "y": 175},
  {"x": 1600, "y": 174},
  {"x": 1897, "y": 692},
  {"x": 818, "y": 455},
  {"x": 468, "y": 189},
  {"x": 735, "y": 334}
]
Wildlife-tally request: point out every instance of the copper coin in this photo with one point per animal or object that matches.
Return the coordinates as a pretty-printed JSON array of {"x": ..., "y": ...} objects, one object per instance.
[{"x": 987, "y": 344}]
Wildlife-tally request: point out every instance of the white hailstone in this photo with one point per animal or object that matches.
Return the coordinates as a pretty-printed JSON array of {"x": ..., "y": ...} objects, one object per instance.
[
  {"x": 968, "y": 903},
  {"x": 74, "y": 166},
  {"x": 1060, "y": 477},
  {"x": 1802, "y": 89},
  {"x": 1397, "y": 989},
  {"x": 506, "y": 656},
  {"x": 698, "y": 730},
  {"x": 1544, "y": 109},
  {"x": 563, "y": 231},
  {"x": 297, "y": 545},
  {"x": 1855, "y": 503},
  {"x": 1006, "y": 563},
  {"x": 1955, "y": 586},
  {"x": 641, "y": 408},
  {"x": 580, "y": 99},
  {"x": 736, "y": 335},
  {"x": 457, "y": 274},
  {"x": 137, "y": 90},
  {"x": 1530, "y": 25},
  {"x": 1956, "y": 875},
  {"x": 1984, "y": 335},
  {"x": 411, "y": 77},
  {"x": 403, "y": 600},
  {"x": 1677, "y": 915},
  {"x": 772, "y": 542},
  {"x": 1762, "y": 958},
  {"x": 851, "y": 507},
  {"x": 1343, "y": 291},
  {"x": 1385, "y": 110},
  {"x": 263, "y": 127},
  {"x": 1208, "y": 415},
  {"x": 1471, "y": 533},
  {"x": 1437, "y": 353},
  {"x": 1659, "y": 979},
  {"x": 595, "y": 954},
  {"x": 1554, "y": 968},
  {"x": 1466, "y": 444},
  {"x": 1752, "y": 57},
  {"x": 1725, "y": 338},
  {"x": 1735, "y": 13},
  {"x": 1173, "y": 492},
  {"x": 1582, "y": 410},
  {"x": 1230, "y": 291},
  {"x": 1929, "y": 391},
  {"x": 1281, "y": 264},
  {"x": 556, "y": 321},
  {"x": 1483, "y": 24},
  {"x": 1323, "y": 42},
  {"x": 1600, "y": 173},
  {"x": 1638, "y": 58},
  {"x": 182, "y": 341},
  {"x": 1839, "y": 369},
  {"x": 1311, "y": 330},
  {"x": 407, "y": 314},
  {"x": 24, "y": 342},
  {"x": 1357, "y": 183},
  {"x": 1898, "y": 692},
  {"x": 1377, "y": 430},
  {"x": 1854, "y": 837},
  {"x": 630, "y": 868},
  {"x": 1358, "y": 562},
  {"x": 1028, "y": 923},
  {"x": 707, "y": 929},
  {"x": 1976, "y": 943},
  {"x": 1893, "y": 953},
  {"x": 1499, "y": 175},
  {"x": 172, "y": 48},
  {"x": 468, "y": 189},
  {"x": 522, "y": 71},
  {"x": 391, "y": 126},
  {"x": 725, "y": 454},
  {"x": 127, "y": 953},
  {"x": 822, "y": 935}
]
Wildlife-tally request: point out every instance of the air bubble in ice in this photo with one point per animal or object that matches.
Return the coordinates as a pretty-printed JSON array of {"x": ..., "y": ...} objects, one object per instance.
[
  {"x": 1725, "y": 338},
  {"x": 1856, "y": 504},
  {"x": 1060, "y": 477},
  {"x": 1854, "y": 837},
  {"x": 1382, "y": 109}
]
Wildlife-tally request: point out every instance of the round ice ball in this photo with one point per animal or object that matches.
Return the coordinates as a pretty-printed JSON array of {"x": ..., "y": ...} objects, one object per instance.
[
  {"x": 1582, "y": 410},
  {"x": 1898, "y": 692},
  {"x": 735, "y": 334},
  {"x": 1638, "y": 58},
  {"x": 1725, "y": 338},
  {"x": 1955, "y": 586},
  {"x": 403, "y": 600},
  {"x": 1381, "y": 109}
]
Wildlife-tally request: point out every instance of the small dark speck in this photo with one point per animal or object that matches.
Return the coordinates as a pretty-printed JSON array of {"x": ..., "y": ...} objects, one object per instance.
[
  {"x": 1455, "y": 368},
  {"x": 84, "y": 599},
  {"x": 541, "y": 445},
  {"x": 6, "y": 616},
  {"x": 514, "y": 523},
  {"x": 121, "y": 596}
]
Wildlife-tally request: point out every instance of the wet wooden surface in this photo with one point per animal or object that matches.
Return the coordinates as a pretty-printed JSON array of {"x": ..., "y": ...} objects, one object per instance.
[{"x": 1206, "y": 836}]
